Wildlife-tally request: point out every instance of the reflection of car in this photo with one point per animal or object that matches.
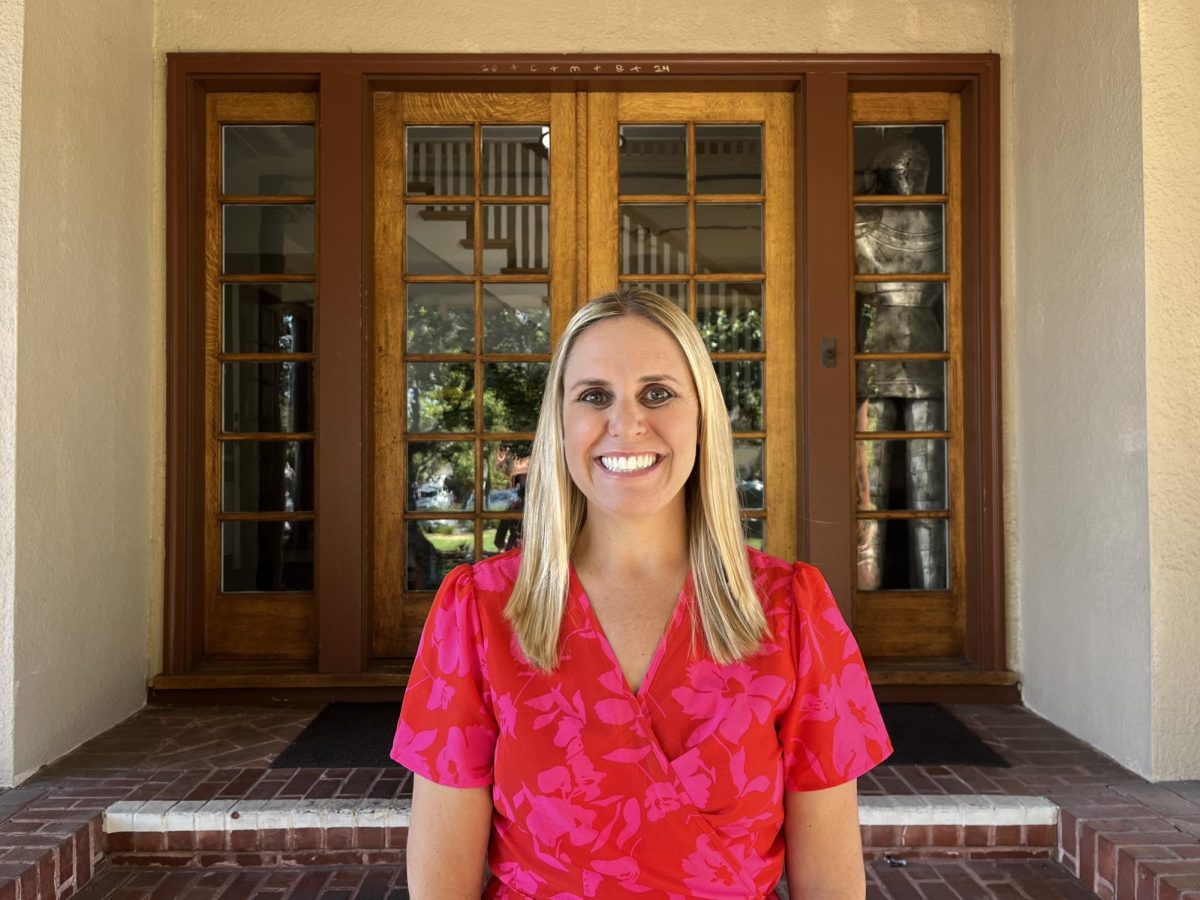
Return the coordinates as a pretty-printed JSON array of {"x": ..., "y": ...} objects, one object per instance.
[
  {"x": 431, "y": 496},
  {"x": 502, "y": 499},
  {"x": 750, "y": 493}
]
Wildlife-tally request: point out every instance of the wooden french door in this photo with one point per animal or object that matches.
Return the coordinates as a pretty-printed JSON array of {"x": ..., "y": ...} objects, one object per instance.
[{"x": 495, "y": 216}]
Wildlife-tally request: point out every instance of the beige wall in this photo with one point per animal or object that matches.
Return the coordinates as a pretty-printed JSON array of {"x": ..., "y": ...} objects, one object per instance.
[
  {"x": 12, "y": 47},
  {"x": 1082, "y": 536},
  {"x": 84, "y": 572},
  {"x": 671, "y": 26},
  {"x": 1170, "y": 33}
]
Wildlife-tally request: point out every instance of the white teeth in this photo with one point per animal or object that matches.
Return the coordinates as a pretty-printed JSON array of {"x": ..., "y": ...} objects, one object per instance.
[{"x": 628, "y": 463}]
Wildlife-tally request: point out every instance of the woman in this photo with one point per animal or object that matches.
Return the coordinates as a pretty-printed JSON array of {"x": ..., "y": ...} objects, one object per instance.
[{"x": 635, "y": 703}]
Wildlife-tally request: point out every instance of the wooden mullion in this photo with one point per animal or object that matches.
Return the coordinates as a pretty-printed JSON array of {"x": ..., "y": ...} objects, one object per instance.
[
  {"x": 903, "y": 276},
  {"x": 275, "y": 436},
  {"x": 266, "y": 199},
  {"x": 268, "y": 515},
  {"x": 902, "y": 435},
  {"x": 932, "y": 356},
  {"x": 896, "y": 514},
  {"x": 265, "y": 279},
  {"x": 439, "y": 199},
  {"x": 680, "y": 199},
  {"x": 899, "y": 199}
]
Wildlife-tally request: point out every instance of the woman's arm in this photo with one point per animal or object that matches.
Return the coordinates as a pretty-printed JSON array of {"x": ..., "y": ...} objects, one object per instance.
[
  {"x": 447, "y": 841},
  {"x": 824, "y": 847}
]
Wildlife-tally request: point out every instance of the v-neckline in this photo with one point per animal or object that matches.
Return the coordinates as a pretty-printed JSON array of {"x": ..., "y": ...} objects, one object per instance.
[{"x": 677, "y": 611}]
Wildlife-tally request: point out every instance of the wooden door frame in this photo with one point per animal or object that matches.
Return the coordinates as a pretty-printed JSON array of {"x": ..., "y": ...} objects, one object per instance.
[{"x": 345, "y": 83}]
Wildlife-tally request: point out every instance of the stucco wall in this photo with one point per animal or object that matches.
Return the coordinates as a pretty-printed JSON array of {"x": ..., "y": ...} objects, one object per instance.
[
  {"x": 824, "y": 26},
  {"x": 12, "y": 46},
  {"x": 1170, "y": 32},
  {"x": 1082, "y": 535},
  {"x": 83, "y": 460}
]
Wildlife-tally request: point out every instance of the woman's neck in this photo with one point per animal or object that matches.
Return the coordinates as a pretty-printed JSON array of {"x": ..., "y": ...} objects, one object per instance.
[{"x": 646, "y": 545}]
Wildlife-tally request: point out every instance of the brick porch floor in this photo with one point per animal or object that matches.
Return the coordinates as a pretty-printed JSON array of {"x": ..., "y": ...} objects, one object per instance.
[{"x": 1117, "y": 834}]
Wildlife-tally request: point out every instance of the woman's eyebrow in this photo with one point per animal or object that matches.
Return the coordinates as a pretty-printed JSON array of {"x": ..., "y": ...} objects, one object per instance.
[{"x": 600, "y": 382}]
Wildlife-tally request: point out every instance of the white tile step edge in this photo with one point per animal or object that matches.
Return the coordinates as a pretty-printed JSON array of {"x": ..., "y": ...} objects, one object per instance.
[{"x": 242, "y": 815}]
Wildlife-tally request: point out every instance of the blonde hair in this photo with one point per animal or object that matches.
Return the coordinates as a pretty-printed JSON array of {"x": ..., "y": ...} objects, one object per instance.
[{"x": 731, "y": 614}]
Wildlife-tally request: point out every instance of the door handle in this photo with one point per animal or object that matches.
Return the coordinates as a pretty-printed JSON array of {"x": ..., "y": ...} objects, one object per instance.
[{"x": 829, "y": 352}]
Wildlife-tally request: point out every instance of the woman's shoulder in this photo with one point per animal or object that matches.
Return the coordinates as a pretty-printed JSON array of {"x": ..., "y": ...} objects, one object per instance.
[
  {"x": 784, "y": 582},
  {"x": 484, "y": 585}
]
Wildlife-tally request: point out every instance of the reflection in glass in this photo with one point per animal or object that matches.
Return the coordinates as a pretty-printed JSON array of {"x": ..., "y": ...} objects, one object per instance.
[
  {"x": 903, "y": 555},
  {"x": 266, "y": 556},
  {"x": 748, "y": 463},
  {"x": 729, "y": 316},
  {"x": 728, "y": 159},
  {"x": 729, "y": 237},
  {"x": 435, "y": 546},
  {"x": 516, "y": 318},
  {"x": 439, "y": 239},
  {"x": 441, "y": 397},
  {"x": 505, "y": 469},
  {"x": 441, "y": 318},
  {"x": 654, "y": 239},
  {"x": 516, "y": 239},
  {"x": 675, "y": 291},
  {"x": 512, "y": 395},
  {"x": 441, "y": 476},
  {"x": 440, "y": 160},
  {"x": 272, "y": 476},
  {"x": 267, "y": 396},
  {"x": 742, "y": 386},
  {"x": 901, "y": 474},
  {"x": 901, "y": 395},
  {"x": 899, "y": 159},
  {"x": 516, "y": 160},
  {"x": 267, "y": 159},
  {"x": 652, "y": 159},
  {"x": 273, "y": 239},
  {"x": 755, "y": 532},
  {"x": 901, "y": 317},
  {"x": 267, "y": 318},
  {"x": 898, "y": 239}
]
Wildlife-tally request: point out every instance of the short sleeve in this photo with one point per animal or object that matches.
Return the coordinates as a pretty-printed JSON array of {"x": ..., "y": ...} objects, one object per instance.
[
  {"x": 447, "y": 732},
  {"x": 832, "y": 731}
]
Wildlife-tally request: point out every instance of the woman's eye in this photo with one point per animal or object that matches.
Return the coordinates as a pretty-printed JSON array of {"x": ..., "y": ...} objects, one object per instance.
[
  {"x": 658, "y": 395},
  {"x": 593, "y": 397}
]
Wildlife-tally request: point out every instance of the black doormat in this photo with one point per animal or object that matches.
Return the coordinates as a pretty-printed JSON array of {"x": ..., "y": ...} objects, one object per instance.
[
  {"x": 926, "y": 734},
  {"x": 350, "y": 735}
]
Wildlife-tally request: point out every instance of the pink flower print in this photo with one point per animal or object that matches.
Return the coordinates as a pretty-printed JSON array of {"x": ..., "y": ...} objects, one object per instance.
[
  {"x": 448, "y": 637},
  {"x": 661, "y": 800},
  {"x": 856, "y": 724},
  {"x": 440, "y": 695},
  {"x": 726, "y": 698},
  {"x": 624, "y": 871},
  {"x": 413, "y": 741},
  {"x": 555, "y": 781},
  {"x": 707, "y": 869},
  {"x": 498, "y": 576},
  {"x": 552, "y": 818},
  {"x": 697, "y": 778},
  {"x": 586, "y": 778},
  {"x": 506, "y": 715},
  {"x": 517, "y": 877},
  {"x": 737, "y": 768},
  {"x": 466, "y": 759}
]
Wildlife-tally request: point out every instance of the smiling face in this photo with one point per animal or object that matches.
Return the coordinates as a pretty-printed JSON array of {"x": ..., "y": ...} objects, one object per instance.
[{"x": 630, "y": 418}]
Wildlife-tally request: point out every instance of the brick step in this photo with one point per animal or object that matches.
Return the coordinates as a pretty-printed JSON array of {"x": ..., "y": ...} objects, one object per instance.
[{"x": 374, "y": 832}]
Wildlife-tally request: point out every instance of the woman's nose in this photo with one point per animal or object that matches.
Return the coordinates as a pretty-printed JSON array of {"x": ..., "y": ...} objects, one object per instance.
[{"x": 626, "y": 418}]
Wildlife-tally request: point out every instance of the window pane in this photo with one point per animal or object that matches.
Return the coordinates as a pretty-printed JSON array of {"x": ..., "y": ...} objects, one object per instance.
[
  {"x": 901, "y": 395},
  {"x": 516, "y": 239},
  {"x": 898, "y": 239},
  {"x": 440, "y": 160},
  {"x": 269, "y": 239},
  {"x": 730, "y": 316},
  {"x": 901, "y": 317},
  {"x": 728, "y": 159},
  {"x": 652, "y": 159},
  {"x": 267, "y": 396},
  {"x": 755, "y": 532},
  {"x": 516, "y": 160},
  {"x": 267, "y": 159},
  {"x": 274, "y": 476},
  {"x": 505, "y": 468},
  {"x": 899, "y": 159},
  {"x": 268, "y": 318},
  {"x": 500, "y": 535},
  {"x": 439, "y": 240},
  {"x": 902, "y": 474},
  {"x": 900, "y": 555},
  {"x": 729, "y": 237},
  {"x": 441, "y": 476},
  {"x": 654, "y": 239},
  {"x": 435, "y": 546},
  {"x": 266, "y": 556},
  {"x": 516, "y": 318},
  {"x": 748, "y": 463},
  {"x": 512, "y": 395},
  {"x": 675, "y": 291},
  {"x": 441, "y": 318},
  {"x": 742, "y": 387},
  {"x": 441, "y": 397}
]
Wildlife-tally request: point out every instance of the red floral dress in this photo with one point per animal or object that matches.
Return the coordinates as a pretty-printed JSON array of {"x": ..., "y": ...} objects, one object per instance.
[{"x": 671, "y": 792}]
